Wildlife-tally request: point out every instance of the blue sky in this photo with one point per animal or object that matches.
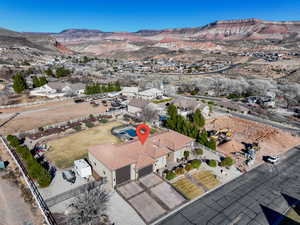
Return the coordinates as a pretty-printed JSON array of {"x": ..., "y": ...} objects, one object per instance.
[{"x": 57, "y": 15}]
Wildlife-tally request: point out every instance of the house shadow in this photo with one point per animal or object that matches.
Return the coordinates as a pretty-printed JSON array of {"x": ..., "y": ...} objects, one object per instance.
[
  {"x": 276, "y": 218},
  {"x": 292, "y": 202}
]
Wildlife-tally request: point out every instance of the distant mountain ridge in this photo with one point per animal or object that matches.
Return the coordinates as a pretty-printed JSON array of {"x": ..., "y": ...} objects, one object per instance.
[{"x": 208, "y": 37}]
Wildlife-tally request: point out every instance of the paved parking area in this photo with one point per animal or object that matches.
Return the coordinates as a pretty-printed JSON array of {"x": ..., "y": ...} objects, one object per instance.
[
  {"x": 150, "y": 180},
  {"x": 255, "y": 198},
  {"x": 130, "y": 189},
  {"x": 147, "y": 207},
  {"x": 165, "y": 193},
  {"x": 59, "y": 185}
]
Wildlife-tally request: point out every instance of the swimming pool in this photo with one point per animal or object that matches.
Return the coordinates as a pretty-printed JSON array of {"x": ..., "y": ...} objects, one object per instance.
[{"x": 131, "y": 132}]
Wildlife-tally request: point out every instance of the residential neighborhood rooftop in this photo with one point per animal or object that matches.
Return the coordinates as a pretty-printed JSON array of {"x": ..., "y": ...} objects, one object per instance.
[{"x": 115, "y": 156}]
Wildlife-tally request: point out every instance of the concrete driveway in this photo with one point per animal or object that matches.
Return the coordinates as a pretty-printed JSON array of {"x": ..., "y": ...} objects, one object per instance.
[{"x": 151, "y": 197}]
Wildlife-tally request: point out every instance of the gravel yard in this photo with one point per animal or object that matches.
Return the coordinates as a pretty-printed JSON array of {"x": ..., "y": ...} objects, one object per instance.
[{"x": 187, "y": 188}]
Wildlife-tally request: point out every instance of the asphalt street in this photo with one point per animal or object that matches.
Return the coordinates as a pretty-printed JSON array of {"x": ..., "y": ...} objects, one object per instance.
[{"x": 255, "y": 198}]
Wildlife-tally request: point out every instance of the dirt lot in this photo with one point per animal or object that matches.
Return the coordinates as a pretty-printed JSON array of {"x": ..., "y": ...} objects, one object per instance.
[
  {"x": 42, "y": 115},
  {"x": 14, "y": 210},
  {"x": 272, "y": 141},
  {"x": 64, "y": 151}
]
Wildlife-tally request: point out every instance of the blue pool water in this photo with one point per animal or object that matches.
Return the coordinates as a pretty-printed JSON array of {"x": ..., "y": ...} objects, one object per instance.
[{"x": 131, "y": 132}]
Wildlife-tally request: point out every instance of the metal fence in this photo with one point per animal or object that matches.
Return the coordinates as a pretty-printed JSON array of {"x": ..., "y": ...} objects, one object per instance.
[
  {"x": 34, "y": 190},
  {"x": 72, "y": 193},
  {"x": 58, "y": 125},
  {"x": 33, "y": 103}
]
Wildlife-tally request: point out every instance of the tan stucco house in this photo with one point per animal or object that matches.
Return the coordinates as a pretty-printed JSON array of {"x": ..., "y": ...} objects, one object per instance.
[{"x": 120, "y": 163}]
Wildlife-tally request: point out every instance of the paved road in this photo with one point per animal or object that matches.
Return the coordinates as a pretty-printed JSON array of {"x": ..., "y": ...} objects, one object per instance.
[{"x": 243, "y": 200}]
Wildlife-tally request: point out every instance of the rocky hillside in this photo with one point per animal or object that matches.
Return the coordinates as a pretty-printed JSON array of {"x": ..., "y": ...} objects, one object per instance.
[
  {"x": 42, "y": 42},
  {"x": 198, "y": 38}
]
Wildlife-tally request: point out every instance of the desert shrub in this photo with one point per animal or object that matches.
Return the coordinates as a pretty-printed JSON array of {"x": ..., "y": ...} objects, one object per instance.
[
  {"x": 212, "y": 163},
  {"x": 77, "y": 128},
  {"x": 227, "y": 161},
  {"x": 179, "y": 171},
  {"x": 186, "y": 154},
  {"x": 188, "y": 167},
  {"x": 170, "y": 175},
  {"x": 196, "y": 163},
  {"x": 199, "y": 151},
  {"x": 103, "y": 121},
  {"x": 152, "y": 131},
  {"x": 89, "y": 124}
]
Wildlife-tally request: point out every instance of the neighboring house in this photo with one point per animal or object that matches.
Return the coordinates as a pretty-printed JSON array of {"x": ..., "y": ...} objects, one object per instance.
[
  {"x": 150, "y": 94},
  {"x": 130, "y": 91},
  {"x": 58, "y": 89},
  {"x": 136, "y": 106},
  {"x": 121, "y": 163},
  {"x": 186, "y": 106}
]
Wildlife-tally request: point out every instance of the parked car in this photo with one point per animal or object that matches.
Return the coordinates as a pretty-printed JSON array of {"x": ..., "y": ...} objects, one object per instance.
[
  {"x": 69, "y": 175},
  {"x": 272, "y": 159}
]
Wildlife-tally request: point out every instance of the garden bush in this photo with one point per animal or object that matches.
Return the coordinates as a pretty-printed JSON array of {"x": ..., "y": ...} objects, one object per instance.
[
  {"x": 103, "y": 121},
  {"x": 212, "y": 163},
  {"x": 188, "y": 167},
  {"x": 77, "y": 128},
  {"x": 199, "y": 151},
  {"x": 89, "y": 124},
  {"x": 179, "y": 171},
  {"x": 186, "y": 154},
  {"x": 196, "y": 163},
  {"x": 227, "y": 162},
  {"x": 170, "y": 175}
]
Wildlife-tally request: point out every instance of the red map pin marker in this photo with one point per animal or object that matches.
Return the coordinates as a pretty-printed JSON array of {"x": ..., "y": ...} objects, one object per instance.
[{"x": 143, "y": 132}]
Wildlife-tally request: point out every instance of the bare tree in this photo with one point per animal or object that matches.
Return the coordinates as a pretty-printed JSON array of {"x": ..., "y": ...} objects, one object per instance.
[
  {"x": 149, "y": 113},
  {"x": 89, "y": 208}
]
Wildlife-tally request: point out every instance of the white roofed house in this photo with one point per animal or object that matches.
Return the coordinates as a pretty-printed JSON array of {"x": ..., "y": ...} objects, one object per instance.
[
  {"x": 58, "y": 89},
  {"x": 75, "y": 89},
  {"x": 186, "y": 106},
  {"x": 150, "y": 94},
  {"x": 130, "y": 91}
]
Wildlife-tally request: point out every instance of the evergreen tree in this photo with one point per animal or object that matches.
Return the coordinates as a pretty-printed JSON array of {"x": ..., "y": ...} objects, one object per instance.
[
  {"x": 117, "y": 86},
  {"x": 212, "y": 144},
  {"x": 38, "y": 82},
  {"x": 172, "y": 110},
  {"x": 49, "y": 72},
  {"x": 43, "y": 81},
  {"x": 198, "y": 118},
  {"x": 19, "y": 84}
]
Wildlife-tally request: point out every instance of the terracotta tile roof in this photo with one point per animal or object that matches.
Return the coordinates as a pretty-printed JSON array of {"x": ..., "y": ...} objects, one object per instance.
[{"x": 115, "y": 156}]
